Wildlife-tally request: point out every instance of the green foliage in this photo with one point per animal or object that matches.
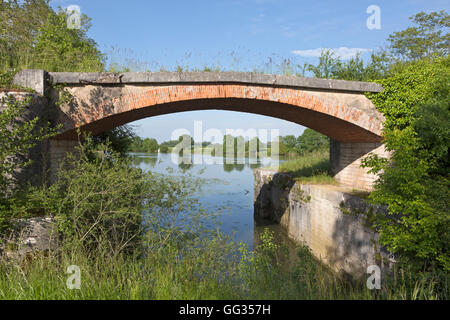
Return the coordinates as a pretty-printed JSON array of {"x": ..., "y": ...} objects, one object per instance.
[
  {"x": 327, "y": 65},
  {"x": 144, "y": 145},
  {"x": 354, "y": 69},
  {"x": 412, "y": 86},
  {"x": 415, "y": 183},
  {"x": 34, "y": 36},
  {"x": 96, "y": 202},
  {"x": 309, "y": 141},
  {"x": 59, "y": 48},
  {"x": 429, "y": 37},
  {"x": 164, "y": 149},
  {"x": 120, "y": 139},
  {"x": 96, "y": 199},
  {"x": 312, "y": 141},
  {"x": 18, "y": 137}
]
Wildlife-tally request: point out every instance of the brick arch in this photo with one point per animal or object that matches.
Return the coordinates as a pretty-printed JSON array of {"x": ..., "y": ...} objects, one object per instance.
[{"x": 345, "y": 117}]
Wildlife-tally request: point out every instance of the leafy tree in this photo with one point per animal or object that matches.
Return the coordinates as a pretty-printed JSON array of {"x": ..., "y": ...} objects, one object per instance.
[
  {"x": 355, "y": 70},
  {"x": 290, "y": 142},
  {"x": 120, "y": 139},
  {"x": 185, "y": 143},
  {"x": 228, "y": 144},
  {"x": 410, "y": 87},
  {"x": 311, "y": 141},
  {"x": 430, "y": 36},
  {"x": 150, "y": 145},
  {"x": 328, "y": 62},
  {"x": 164, "y": 149},
  {"x": 414, "y": 184},
  {"x": 34, "y": 36},
  {"x": 17, "y": 138},
  {"x": 59, "y": 48},
  {"x": 20, "y": 22},
  {"x": 239, "y": 146}
]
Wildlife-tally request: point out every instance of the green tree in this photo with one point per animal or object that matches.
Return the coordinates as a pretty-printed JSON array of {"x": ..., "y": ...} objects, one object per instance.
[
  {"x": 59, "y": 48},
  {"x": 414, "y": 184},
  {"x": 290, "y": 143},
  {"x": 164, "y": 149},
  {"x": 120, "y": 139},
  {"x": 34, "y": 36},
  {"x": 355, "y": 69},
  {"x": 17, "y": 138},
  {"x": 430, "y": 36},
  {"x": 311, "y": 141},
  {"x": 150, "y": 145},
  {"x": 328, "y": 62},
  {"x": 20, "y": 24},
  {"x": 228, "y": 145}
]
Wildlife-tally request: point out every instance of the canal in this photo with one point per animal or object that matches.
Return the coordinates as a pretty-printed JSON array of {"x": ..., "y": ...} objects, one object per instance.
[{"x": 228, "y": 189}]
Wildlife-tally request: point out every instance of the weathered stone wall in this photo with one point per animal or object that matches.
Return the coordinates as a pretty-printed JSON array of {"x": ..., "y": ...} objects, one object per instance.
[
  {"x": 345, "y": 160},
  {"x": 30, "y": 236},
  {"x": 311, "y": 215},
  {"x": 37, "y": 107},
  {"x": 56, "y": 153}
]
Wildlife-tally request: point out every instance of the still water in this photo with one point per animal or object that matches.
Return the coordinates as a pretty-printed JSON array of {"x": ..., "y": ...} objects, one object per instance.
[{"x": 229, "y": 189}]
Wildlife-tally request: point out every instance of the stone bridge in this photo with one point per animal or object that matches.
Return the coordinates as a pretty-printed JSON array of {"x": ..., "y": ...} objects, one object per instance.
[{"x": 97, "y": 102}]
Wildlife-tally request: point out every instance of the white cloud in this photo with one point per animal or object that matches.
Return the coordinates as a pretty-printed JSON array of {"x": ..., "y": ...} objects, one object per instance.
[{"x": 342, "y": 52}]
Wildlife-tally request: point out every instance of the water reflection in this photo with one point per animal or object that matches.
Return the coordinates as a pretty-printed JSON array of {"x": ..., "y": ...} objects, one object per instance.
[
  {"x": 228, "y": 187},
  {"x": 145, "y": 158}
]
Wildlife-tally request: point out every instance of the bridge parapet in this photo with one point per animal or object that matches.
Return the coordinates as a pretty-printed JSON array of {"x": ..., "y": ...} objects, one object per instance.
[{"x": 336, "y": 108}]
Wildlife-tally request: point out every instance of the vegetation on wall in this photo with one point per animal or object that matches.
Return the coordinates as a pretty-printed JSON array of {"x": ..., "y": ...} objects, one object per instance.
[
  {"x": 17, "y": 138},
  {"x": 415, "y": 183}
]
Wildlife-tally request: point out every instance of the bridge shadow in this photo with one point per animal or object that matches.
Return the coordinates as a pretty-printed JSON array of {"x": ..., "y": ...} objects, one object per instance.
[{"x": 355, "y": 241}]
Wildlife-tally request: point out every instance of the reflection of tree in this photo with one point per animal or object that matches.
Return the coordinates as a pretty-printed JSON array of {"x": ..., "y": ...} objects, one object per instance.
[
  {"x": 185, "y": 162},
  {"x": 255, "y": 165},
  {"x": 185, "y": 166},
  {"x": 228, "y": 167},
  {"x": 230, "y": 164},
  {"x": 151, "y": 161}
]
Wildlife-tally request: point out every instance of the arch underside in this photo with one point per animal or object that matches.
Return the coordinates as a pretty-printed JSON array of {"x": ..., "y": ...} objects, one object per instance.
[{"x": 333, "y": 127}]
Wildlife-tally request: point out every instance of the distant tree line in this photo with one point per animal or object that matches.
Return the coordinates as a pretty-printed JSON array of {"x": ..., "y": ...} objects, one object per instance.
[{"x": 308, "y": 142}]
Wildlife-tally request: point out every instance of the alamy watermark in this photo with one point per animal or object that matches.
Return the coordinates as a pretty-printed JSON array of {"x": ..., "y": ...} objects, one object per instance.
[
  {"x": 74, "y": 280},
  {"x": 231, "y": 144},
  {"x": 374, "y": 280},
  {"x": 73, "y": 17},
  {"x": 374, "y": 20}
]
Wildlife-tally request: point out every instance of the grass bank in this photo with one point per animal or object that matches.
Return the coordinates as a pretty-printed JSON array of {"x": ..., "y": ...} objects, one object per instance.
[
  {"x": 311, "y": 168},
  {"x": 213, "y": 268}
]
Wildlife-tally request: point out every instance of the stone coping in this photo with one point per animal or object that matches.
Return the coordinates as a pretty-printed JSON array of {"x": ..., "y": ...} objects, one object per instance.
[{"x": 211, "y": 77}]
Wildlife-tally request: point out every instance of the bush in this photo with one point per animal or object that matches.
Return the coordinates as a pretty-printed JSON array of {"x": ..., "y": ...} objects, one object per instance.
[{"x": 415, "y": 183}]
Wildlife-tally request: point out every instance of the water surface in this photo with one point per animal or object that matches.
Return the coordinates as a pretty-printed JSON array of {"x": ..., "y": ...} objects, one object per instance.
[{"x": 228, "y": 188}]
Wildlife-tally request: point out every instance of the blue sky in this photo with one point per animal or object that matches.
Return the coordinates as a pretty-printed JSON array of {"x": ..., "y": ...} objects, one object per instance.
[{"x": 236, "y": 34}]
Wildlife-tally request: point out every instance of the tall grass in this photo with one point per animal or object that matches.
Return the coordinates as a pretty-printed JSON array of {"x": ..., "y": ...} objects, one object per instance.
[
  {"x": 310, "y": 168},
  {"x": 211, "y": 268}
]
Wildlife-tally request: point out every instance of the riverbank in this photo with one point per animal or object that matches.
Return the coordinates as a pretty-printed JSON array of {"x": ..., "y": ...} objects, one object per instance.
[{"x": 312, "y": 215}]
